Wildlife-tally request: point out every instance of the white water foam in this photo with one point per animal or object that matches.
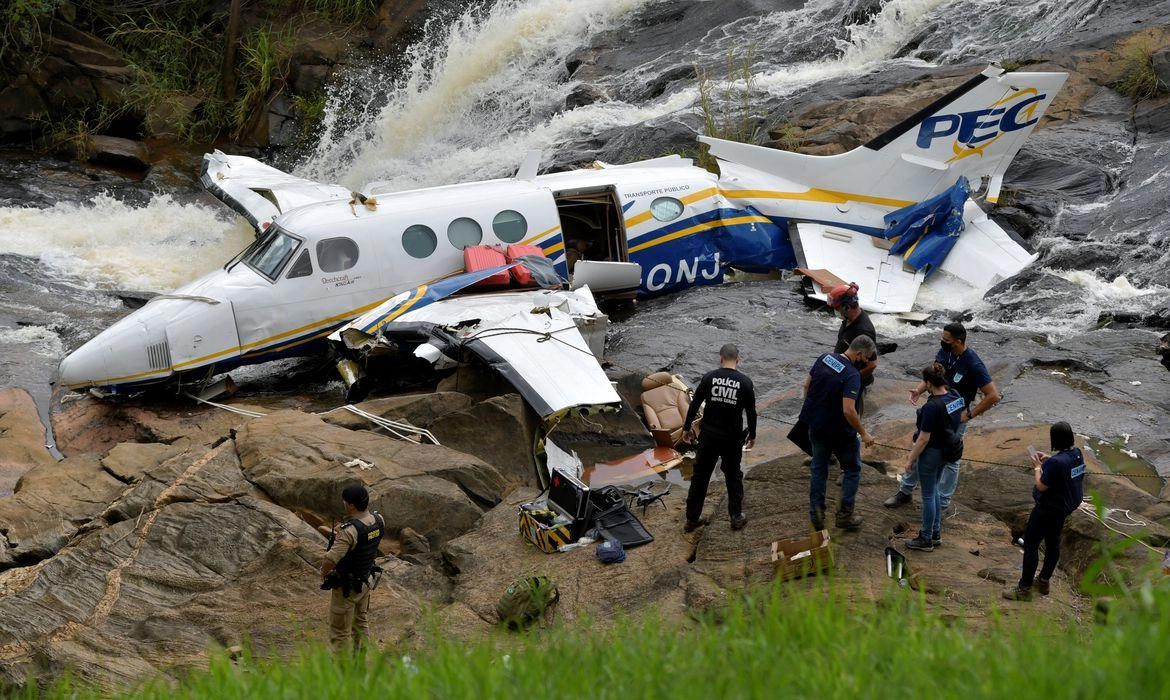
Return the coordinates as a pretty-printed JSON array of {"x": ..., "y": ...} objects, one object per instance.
[
  {"x": 42, "y": 341},
  {"x": 1070, "y": 314},
  {"x": 477, "y": 81},
  {"x": 109, "y": 244}
]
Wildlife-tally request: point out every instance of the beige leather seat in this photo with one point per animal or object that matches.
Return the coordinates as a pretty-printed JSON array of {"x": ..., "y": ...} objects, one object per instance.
[{"x": 665, "y": 402}]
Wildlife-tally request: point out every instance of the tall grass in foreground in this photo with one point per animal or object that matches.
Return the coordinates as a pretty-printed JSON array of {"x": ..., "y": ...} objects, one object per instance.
[{"x": 815, "y": 646}]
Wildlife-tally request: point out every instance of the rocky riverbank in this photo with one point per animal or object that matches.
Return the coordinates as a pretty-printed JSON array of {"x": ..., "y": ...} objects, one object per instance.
[{"x": 171, "y": 528}]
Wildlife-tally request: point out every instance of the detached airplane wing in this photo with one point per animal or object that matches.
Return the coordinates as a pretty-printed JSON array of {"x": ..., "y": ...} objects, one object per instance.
[
  {"x": 533, "y": 338},
  {"x": 259, "y": 192}
]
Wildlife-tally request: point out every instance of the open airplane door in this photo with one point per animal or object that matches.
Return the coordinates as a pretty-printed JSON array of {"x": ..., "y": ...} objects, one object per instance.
[{"x": 885, "y": 285}]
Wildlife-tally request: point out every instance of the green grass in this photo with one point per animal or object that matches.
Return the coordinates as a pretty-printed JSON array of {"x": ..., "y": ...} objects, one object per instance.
[
  {"x": 1140, "y": 80},
  {"x": 176, "y": 49},
  {"x": 783, "y": 643}
]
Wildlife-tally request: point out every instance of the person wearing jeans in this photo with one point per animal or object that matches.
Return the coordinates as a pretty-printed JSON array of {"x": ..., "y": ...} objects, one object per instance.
[
  {"x": 935, "y": 442},
  {"x": 967, "y": 375},
  {"x": 830, "y": 411}
]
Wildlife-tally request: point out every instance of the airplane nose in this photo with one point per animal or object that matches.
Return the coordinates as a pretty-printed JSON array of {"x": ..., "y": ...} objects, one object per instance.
[
  {"x": 81, "y": 367},
  {"x": 124, "y": 353}
]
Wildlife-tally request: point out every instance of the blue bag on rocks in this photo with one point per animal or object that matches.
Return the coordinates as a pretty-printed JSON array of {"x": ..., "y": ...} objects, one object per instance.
[{"x": 610, "y": 551}]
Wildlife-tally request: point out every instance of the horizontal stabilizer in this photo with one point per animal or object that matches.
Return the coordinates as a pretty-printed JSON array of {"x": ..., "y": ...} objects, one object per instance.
[{"x": 973, "y": 131}]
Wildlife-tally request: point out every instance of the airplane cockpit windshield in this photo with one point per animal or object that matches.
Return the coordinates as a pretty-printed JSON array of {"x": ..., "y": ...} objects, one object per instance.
[{"x": 271, "y": 252}]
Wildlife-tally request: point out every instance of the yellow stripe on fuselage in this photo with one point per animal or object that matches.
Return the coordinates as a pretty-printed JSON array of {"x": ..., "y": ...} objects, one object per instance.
[
  {"x": 545, "y": 234},
  {"x": 422, "y": 290},
  {"x": 689, "y": 199},
  {"x": 818, "y": 195},
  {"x": 682, "y": 233}
]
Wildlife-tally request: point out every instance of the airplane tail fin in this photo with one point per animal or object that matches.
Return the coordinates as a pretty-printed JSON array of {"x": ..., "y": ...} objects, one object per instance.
[{"x": 973, "y": 131}]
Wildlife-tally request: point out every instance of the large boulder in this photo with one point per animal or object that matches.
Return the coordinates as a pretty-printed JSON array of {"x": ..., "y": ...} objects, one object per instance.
[
  {"x": 303, "y": 463},
  {"x": 501, "y": 431},
  {"x": 50, "y": 504},
  {"x": 189, "y": 558},
  {"x": 419, "y": 410},
  {"x": 95, "y": 427}
]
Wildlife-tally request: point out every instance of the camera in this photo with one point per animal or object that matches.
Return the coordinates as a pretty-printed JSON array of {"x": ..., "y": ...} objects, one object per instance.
[{"x": 331, "y": 581}]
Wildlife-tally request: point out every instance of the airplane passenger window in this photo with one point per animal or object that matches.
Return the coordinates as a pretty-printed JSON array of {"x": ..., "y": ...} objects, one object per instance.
[
  {"x": 270, "y": 254},
  {"x": 464, "y": 232},
  {"x": 419, "y": 241},
  {"x": 510, "y": 226},
  {"x": 303, "y": 267},
  {"x": 336, "y": 254},
  {"x": 666, "y": 208}
]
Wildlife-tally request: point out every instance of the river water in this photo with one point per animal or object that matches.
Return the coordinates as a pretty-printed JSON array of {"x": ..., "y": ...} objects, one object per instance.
[{"x": 79, "y": 245}]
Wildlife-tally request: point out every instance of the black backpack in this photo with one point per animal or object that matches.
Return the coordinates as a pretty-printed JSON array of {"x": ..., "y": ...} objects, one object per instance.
[{"x": 525, "y": 600}]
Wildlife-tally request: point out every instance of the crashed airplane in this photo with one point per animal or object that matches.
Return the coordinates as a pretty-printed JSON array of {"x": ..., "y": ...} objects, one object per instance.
[{"x": 891, "y": 215}]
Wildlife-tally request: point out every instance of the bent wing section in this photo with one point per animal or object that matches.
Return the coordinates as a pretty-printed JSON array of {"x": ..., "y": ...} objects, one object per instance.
[
  {"x": 885, "y": 285},
  {"x": 259, "y": 192},
  {"x": 541, "y": 352},
  {"x": 533, "y": 338}
]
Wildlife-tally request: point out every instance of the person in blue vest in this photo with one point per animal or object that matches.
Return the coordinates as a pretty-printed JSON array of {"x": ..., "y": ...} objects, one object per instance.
[
  {"x": 830, "y": 411},
  {"x": 936, "y": 441},
  {"x": 729, "y": 396},
  {"x": 349, "y": 570},
  {"x": 1058, "y": 489},
  {"x": 967, "y": 375}
]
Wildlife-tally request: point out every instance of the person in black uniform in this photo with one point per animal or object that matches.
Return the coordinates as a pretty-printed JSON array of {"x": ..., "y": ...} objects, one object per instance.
[
  {"x": 854, "y": 322},
  {"x": 830, "y": 411},
  {"x": 728, "y": 395},
  {"x": 1058, "y": 489},
  {"x": 349, "y": 567}
]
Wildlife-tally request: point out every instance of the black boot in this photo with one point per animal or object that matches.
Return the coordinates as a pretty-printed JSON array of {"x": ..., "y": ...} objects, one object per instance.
[{"x": 847, "y": 519}]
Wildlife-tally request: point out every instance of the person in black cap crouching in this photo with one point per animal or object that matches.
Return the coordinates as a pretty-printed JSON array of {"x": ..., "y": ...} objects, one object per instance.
[{"x": 349, "y": 571}]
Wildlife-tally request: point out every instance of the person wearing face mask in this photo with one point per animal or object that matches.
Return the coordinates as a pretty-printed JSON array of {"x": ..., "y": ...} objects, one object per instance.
[
  {"x": 830, "y": 411},
  {"x": 854, "y": 322},
  {"x": 967, "y": 375}
]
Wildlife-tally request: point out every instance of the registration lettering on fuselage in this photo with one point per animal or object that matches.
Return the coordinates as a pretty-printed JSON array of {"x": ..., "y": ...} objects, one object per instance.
[{"x": 690, "y": 271}]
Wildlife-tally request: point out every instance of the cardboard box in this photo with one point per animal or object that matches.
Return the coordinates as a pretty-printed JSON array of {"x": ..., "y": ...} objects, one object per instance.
[{"x": 797, "y": 558}]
